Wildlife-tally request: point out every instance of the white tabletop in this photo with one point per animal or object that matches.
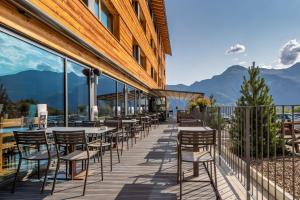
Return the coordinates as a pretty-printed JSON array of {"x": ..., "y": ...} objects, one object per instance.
[
  {"x": 89, "y": 130},
  {"x": 129, "y": 121},
  {"x": 198, "y": 128}
]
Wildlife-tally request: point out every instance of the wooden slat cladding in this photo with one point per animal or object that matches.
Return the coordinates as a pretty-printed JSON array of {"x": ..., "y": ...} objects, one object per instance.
[
  {"x": 38, "y": 31},
  {"x": 77, "y": 18}
]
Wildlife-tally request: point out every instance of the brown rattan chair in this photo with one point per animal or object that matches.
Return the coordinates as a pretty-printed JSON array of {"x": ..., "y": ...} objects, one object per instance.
[
  {"x": 38, "y": 140},
  {"x": 197, "y": 154},
  {"x": 73, "y": 138}
]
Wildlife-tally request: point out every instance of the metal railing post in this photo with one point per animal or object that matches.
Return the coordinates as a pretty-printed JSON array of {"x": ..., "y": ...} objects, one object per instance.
[
  {"x": 247, "y": 150},
  {"x": 219, "y": 135}
]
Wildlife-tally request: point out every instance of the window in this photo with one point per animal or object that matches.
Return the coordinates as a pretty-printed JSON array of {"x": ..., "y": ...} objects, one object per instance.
[
  {"x": 136, "y": 8},
  {"x": 143, "y": 60},
  {"x": 131, "y": 96},
  {"x": 139, "y": 14},
  {"x": 136, "y": 51},
  {"x": 29, "y": 75},
  {"x": 139, "y": 55},
  {"x": 152, "y": 43},
  {"x": 152, "y": 72},
  {"x": 106, "y": 96},
  {"x": 96, "y": 8},
  {"x": 78, "y": 92},
  {"x": 121, "y": 99},
  {"x": 86, "y": 2},
  {"x": 101, "y": 11},
  {"x": 106, "y": 17}
]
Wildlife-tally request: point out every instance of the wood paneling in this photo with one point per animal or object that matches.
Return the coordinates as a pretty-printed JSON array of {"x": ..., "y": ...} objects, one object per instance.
[{"x": 75, "y": 16}]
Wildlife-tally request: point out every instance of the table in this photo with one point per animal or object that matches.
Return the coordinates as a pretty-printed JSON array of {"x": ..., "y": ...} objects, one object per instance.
[
  {"x": 88, "y": 130},
  {"x": 196, "y": 129},
  {"x": 129, "y": 121}
]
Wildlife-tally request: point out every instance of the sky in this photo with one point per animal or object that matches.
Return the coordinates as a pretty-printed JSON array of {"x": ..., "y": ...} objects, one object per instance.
[{"x": 208, "y": 36}]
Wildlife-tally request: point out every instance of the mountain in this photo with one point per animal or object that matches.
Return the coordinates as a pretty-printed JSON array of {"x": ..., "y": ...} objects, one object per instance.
[
  {"x": 284, "y": 84},
  {"x": 45, "y": 87}
]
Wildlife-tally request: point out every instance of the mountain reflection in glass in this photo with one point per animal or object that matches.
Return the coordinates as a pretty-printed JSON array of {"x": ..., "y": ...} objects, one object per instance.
[
  {"x": 106, "y": 96},
  {"x": 25, "y": 74},
  {"x": 29, "y": 75},
  {"x": 78, "y": 93},
  {"x": 121, "y": 99},
  {"x": 131, "y": 100}
]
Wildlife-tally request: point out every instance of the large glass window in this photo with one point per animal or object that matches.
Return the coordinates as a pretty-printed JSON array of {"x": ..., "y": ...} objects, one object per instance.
[
  {"x": 106, "y": 96},
  {"x": 121, "y": 99},
  {"x": 131, "y": 100},
  {"x": 28, "y": 76},
  {"x": 78, "y": 92},
  {"x": 144, "y": 103}
]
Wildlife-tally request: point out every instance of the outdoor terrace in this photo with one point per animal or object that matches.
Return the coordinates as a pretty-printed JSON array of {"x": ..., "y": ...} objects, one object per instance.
[{"x": 146, "y": 171}]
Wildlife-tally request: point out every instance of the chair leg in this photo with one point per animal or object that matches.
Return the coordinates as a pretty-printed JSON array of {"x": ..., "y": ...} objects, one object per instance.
[
  {"x": 67, "y": 170},
  {"x": 98, "y": 156},
  {"x": 86, "y": 175},
  {"x": 122, "y": 144},
  {"x": 16, "y": 176},
  {"x": 101, "y": 160},
  {"x": 38, "y": 171},
  {"x": 55, "y": 176},
  {"x": 178, "y": 167},
  {"x": 180, "y": 179},
  {"x": 46, "y": 175},
  {"x": 117, "y": 146},
  {"x": 110, "y": 157},
  {"x": 216, "y": 183}
]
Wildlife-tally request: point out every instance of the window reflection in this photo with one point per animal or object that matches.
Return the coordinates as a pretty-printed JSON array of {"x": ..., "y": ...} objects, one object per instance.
[
  {"x": 131, "y": 100},
  {"x": 106, "y": 96},
  {"x": 78, "y": 92},
  {"x": 28, "y": 76},
  {"x": 121, "y": 99},
  {"x": 106, "y": 17}
]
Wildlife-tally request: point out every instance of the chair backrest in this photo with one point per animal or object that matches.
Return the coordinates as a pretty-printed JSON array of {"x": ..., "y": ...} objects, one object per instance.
[
  {"x": 90, "y": 123},
  {"x": 197, "y": 137},
  {"x": 113, "y": 123},
  {"x": 190, "y": 123},
  {"x": 31, "y": 137},
  {"x": 70, "y": 137}
]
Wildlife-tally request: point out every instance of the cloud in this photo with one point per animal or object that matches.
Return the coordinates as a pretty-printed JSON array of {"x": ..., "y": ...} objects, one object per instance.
[
  {"x": 235, "y": 49},
  {"x": 243, "y": 63},
  {"x": 289, "y": 53}
]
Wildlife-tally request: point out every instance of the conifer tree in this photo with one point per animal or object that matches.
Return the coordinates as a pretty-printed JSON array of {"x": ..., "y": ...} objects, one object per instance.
[{"x": 255, "y": 95}]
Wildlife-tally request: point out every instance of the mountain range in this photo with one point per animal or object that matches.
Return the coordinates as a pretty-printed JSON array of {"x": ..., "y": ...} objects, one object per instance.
[{"x": 284, "y": 84}]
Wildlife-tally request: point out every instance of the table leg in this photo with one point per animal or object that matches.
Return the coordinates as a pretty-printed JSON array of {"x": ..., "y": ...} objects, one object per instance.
[{"x": 196, "y": 164}]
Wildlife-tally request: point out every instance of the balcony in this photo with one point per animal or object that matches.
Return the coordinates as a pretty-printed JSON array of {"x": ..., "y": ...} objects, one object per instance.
[
  {"x": 248, "y": 163},
  {"x": 146, "y": 171}
]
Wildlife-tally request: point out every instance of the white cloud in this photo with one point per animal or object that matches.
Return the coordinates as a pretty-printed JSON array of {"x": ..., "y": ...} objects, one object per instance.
[
  {"x": 235, "y": 49},
  {"x": 243, "y": 63},
  {"x": 289, "y": 53}
]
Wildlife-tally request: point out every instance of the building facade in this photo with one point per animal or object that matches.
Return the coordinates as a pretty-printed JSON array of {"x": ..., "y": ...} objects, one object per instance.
[{"x": 74, "y": 55}]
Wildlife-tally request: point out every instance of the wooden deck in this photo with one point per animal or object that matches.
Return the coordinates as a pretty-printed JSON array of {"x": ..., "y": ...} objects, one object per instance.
[{"x": 146, "y": 171}]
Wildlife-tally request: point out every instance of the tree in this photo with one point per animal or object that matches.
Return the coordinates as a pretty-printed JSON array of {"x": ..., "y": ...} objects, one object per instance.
[{"x": 263, "y": 128}]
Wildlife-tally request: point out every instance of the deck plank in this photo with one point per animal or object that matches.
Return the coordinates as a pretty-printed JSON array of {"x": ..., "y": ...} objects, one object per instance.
[{"x": 147, "y": 171}]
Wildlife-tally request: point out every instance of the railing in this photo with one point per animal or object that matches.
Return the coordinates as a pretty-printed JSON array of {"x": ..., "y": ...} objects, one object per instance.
[{"x": 260, "y": 146}]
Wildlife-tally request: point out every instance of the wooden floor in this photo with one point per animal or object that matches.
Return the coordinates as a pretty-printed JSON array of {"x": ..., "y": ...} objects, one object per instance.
[{"x": 146, "y": 171}]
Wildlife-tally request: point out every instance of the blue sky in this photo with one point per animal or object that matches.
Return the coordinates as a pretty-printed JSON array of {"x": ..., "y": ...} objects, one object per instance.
[{"x": 207, "y": 36}]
